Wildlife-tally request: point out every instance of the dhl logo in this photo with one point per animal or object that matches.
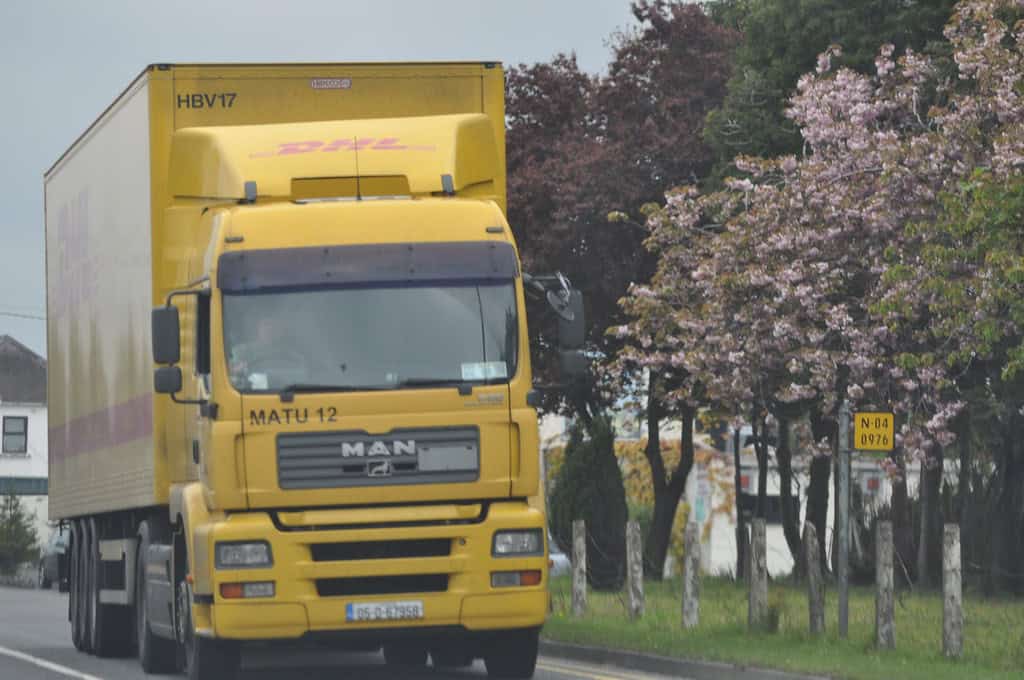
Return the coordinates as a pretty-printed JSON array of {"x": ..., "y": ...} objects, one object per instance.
[{"x": 355, "y": 144}]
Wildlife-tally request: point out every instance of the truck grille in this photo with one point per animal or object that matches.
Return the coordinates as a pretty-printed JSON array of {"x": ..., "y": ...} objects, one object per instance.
[
  {"x": 381, "y": 550},
  {"x": 382, "y": 585},
  {"x": 319, "y": 460}
]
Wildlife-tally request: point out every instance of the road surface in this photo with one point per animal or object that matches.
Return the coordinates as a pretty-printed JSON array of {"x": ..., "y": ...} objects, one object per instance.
[{"x": 35, "y": 645}]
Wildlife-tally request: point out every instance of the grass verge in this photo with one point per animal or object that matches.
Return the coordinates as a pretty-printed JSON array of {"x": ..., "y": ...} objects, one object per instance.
[{"x": 993, "y": 632}]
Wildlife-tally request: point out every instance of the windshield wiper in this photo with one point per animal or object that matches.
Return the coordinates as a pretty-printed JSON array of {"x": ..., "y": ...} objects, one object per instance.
[
  {"x": 288, "y": 393},
  {"x": 465, "y": 386}
]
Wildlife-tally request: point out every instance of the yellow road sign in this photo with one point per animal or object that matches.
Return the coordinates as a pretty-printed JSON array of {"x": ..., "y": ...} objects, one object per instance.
[{"x": 873, "y": 431}]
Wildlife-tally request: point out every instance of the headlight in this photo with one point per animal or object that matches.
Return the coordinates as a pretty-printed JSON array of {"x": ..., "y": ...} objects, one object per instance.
[
  {"x": 243, "y": 555},
  {"x": 523, "y": 543}
]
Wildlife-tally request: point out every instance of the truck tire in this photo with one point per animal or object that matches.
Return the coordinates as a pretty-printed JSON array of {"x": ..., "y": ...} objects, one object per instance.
[
  {"x": 111, "y": 632},
  {"x": 405, "y": 654},
  {"x": 156, "y": 654},
  {"x": 84, "y": 600},
  {"x": 205, "y": 658},
  {"x": 76, "y": 612},
  {"x": 513, "y": 654}
]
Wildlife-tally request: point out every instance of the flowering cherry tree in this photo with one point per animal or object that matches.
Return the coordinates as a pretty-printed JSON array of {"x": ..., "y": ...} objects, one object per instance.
[{"x": 840, "y": 274}]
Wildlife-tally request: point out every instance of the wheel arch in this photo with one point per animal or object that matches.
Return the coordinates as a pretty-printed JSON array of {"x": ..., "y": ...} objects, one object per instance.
[{"x": 193, "y": 521}]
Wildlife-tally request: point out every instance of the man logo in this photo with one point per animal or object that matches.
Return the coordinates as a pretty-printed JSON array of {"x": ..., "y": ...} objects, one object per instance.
[{"x": 379, "y": 469}]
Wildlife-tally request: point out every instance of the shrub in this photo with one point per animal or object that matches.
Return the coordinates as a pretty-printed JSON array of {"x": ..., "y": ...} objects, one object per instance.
[
  {"x": 588, "y": 486},
  {"x": 17, "y": 535}
]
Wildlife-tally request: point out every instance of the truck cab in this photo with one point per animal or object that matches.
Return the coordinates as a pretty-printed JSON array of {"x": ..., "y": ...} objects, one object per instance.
[{"x": 365, "y": 441}]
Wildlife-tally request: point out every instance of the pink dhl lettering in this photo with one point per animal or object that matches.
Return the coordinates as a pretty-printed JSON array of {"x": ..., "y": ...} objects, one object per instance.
[{"x": 358, "y": 144}]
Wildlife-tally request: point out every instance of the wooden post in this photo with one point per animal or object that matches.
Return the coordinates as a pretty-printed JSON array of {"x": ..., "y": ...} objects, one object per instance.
[
  {"x": 815, "y": 582},
  {"x": 579, "y": 567},
  {"x": 634, "y": 570},
  {"x": 691, "y": 576},
  {"x": 952, "y": 593},
  {"x": 757, "y": 609},
  {"x": 885, "y": 627}
]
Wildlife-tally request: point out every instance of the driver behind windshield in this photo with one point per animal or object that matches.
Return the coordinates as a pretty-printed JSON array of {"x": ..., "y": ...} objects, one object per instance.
[{"x": 268, "y": 358}]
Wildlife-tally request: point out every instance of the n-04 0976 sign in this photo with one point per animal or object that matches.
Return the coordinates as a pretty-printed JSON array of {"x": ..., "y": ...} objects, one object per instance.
[
  {"x": 873, "y": 431},
  {"x": 383, "y": 611}
]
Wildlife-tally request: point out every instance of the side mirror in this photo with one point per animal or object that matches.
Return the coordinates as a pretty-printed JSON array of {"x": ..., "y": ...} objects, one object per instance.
[
  {"x": 571, "y": 328},
  {"x": 166, "y": 335},
  {"x": 167, "y": 380}
]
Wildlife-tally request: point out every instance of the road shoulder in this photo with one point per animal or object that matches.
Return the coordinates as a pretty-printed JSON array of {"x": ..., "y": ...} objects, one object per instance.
[{"x": 664, "y": 665}]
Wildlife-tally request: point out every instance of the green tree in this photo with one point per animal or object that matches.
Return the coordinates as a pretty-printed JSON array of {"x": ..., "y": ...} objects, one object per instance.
[
  {"x": 17, "y": 535},
  {"x": 781, "y": 41},
  {"x": 585, "y": 153}
]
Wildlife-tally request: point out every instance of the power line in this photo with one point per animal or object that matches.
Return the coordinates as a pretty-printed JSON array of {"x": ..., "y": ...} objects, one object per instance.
[{"x": 23, "y": 316}]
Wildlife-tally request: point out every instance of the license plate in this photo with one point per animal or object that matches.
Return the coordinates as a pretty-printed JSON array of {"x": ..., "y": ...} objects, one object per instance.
[{"x": 384, "y": 611}]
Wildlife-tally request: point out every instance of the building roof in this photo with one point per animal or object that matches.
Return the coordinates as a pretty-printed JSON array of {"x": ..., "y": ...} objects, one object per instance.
[{"x": 22, "y": 373}]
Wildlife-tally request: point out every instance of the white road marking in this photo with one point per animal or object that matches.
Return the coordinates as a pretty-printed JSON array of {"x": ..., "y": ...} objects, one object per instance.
[
  {"x": 566, "y": 667},
  {"x": 43, "y": 663}
]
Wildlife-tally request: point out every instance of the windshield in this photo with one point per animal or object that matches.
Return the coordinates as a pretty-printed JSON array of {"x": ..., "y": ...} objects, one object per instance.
[{"x": 383, "y": 337}]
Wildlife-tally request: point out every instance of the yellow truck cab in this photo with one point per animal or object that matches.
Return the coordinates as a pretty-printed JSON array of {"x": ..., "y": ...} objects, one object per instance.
[{"x": 338, "y": 444}]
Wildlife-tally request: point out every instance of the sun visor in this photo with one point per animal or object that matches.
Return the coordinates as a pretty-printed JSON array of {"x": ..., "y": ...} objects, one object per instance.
[
  {"x": 255, "y": 270},
  {"x": 435, "y": 154}
]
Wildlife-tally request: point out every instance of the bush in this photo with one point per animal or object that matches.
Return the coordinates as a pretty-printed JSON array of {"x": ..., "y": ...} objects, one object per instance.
[
  {"x": 17, "y": 535},
  {"x": 589, "y": 486}
]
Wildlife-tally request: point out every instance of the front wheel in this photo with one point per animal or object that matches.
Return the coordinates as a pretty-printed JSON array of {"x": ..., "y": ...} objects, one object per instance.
[
  {"x": 205, "y": 658},
  {"x": 513, "y": 654}
]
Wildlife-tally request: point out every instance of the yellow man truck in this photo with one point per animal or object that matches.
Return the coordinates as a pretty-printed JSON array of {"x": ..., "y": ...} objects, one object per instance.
[{"x": 289, "y": 372}]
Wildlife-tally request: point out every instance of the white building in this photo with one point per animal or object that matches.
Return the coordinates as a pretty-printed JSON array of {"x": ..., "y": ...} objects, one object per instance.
[{"x": 23, "y": 444}]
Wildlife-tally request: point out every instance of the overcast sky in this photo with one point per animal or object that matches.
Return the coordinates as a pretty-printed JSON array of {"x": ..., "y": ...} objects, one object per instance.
[{"x": 66, "y": 61}]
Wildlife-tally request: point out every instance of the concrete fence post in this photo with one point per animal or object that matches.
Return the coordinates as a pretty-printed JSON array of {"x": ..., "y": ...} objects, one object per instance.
[
  {"x": 885, "y": 626},
  {"x": 757, "y": 609},
  {"x": 815, "y": 582},
  {"x": 579, "y": 567},
  {"x": 691, "y": 576},
  {"x": 634, "y": 570},
  {"x": 952, "y": 593}
]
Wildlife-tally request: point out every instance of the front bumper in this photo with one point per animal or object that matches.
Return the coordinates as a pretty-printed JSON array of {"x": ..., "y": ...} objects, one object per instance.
[{"x": 301, "y": 574}]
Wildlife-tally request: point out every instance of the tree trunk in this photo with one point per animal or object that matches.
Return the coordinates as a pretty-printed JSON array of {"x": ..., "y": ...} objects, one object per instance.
[
  {"x": 667, "y": 491},
  {"x": 790, "y": 519},
  {"x": 929, "y": 555},
  {"x": 817, "y": 502},
  {"x": 742, "y": 543},
  {"x": 964, "y": 504},
  {"x": 1005, "y": 540},
  {"x": 761, "y": 449},
  {"x": 903, "y": 532}
]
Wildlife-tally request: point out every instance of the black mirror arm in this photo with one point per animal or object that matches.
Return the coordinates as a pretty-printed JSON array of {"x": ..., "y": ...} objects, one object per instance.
[
  {"x": 188, "y": 402},
  {"x": 187, "y": 291}
]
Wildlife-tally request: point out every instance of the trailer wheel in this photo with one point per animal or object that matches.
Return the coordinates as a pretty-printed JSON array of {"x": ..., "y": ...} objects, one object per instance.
[
  {"x": 76, "y": 614},
  {"x": 84, "y": 585},
  {"x": 156, "y": 654},
  {"x": 513, "y": 654}
]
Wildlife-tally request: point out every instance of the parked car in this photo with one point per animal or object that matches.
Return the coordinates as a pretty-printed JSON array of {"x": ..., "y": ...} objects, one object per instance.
[
  {"x": 53, "y": 561},
  {"x": 558, "y": 560}
]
